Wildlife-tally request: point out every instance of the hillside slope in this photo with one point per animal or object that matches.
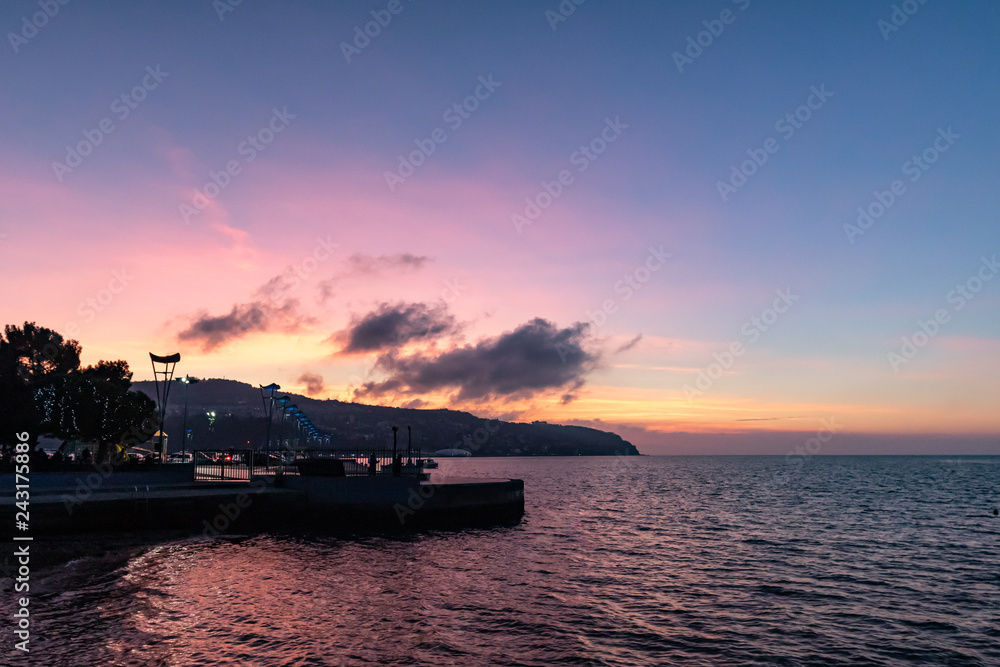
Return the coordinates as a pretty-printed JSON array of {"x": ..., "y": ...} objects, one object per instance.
[{"x": 239, "y": 422}]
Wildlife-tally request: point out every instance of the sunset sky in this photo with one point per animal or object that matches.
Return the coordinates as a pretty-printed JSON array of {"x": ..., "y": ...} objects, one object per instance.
[{"x": 501, "y": 208}]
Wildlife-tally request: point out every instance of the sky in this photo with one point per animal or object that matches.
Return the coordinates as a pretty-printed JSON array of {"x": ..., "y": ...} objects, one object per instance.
[{"x": 704, "y": 218}]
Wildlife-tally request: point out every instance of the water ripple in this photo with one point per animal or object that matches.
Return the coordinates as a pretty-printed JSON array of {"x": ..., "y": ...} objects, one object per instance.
[{"x": 686, "y": 560}]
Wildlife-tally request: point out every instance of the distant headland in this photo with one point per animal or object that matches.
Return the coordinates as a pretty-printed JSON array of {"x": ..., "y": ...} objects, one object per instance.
[{"x": 237, "y": 418}]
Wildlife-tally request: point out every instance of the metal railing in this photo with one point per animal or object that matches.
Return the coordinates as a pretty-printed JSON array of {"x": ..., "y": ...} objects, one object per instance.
[
  {"x": 242, "y": 464},
  {"x": 223, "y": 464}
]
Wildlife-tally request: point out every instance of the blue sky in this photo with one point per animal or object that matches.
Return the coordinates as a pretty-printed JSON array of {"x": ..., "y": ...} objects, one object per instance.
[{"x": 655, "y": 185}]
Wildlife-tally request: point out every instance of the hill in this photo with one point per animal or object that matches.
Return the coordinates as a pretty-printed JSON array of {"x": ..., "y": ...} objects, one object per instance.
[{"x": 239, "y": 421}]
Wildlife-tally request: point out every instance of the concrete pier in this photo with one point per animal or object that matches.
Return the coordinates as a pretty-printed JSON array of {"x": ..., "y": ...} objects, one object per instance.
[
  {"x": 72, "y": 502},
  {"x": 408, "y": 501}
]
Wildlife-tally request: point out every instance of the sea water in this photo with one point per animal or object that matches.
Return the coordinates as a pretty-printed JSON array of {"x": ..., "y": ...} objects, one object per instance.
[{"x": 617, "y": 561}]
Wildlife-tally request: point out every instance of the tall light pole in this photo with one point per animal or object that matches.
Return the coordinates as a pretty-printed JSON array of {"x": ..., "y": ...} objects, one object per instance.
[
  {"x": 186, "y": 380},
  {"x": 302, "y": 430},
  {"x": 162, "y": 377},
  {"x": 395, "y": 470},
  {"x": 281, "y": 428},
  {"x": 292, "y": 410},
  {"x": 211, "y": 426},
  {"x": 267, "y": 397}
]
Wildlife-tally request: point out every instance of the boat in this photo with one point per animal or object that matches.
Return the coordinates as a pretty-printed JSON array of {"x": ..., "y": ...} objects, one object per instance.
[{"x": 430, "y": 464}]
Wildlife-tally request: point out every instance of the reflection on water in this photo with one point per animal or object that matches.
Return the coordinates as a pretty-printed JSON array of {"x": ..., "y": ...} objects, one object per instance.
[{"x": 617, "y": 562}]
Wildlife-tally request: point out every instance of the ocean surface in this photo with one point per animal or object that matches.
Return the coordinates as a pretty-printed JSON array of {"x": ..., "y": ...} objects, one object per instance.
[{"x": 618, "y": 561}]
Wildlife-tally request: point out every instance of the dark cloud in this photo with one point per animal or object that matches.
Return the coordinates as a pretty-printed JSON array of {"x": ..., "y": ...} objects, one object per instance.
[
  {"x": 271, "y": 310},
  {"x": 535, "y": 358},
  {"x": 629, "y": 345},
  {"x": 213, "y": 331},
  {"x": 367, "y": 265},
  {"x": 276, "y": 287},
  {"x": 313, "y": 382},
  {"x": 393, "y": 326},
  {"x": 326, "y": 291}
]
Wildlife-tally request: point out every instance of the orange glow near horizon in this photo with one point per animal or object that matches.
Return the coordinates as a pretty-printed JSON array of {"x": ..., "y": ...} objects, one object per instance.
[{"x": 658, "y": 411}]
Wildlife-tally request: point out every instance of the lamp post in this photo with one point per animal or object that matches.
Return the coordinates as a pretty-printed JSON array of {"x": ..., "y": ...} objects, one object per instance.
[
  {"x": 395, "y": 469},
  {"x": 304, "y": 429},
  {"x": 211, "y": 426},
  {"x": 162, "y": 378},
  {"x": 292, "y": 411},
  {"x": 281, "y": 428},
  {"x": 186, "y": 380},
  {"x": 267, "y": 398}
]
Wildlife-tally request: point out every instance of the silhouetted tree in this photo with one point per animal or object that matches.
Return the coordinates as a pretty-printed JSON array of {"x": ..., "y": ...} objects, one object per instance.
[
  {"x": 17, "y": 406},
  {"x": 30, "y": 357},
  {"x": 40, "y": 372},
  {"x": 41, "y": 352}
]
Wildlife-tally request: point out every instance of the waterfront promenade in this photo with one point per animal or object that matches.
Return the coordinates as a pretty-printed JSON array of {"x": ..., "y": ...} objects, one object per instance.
[{"x": 238, "y": 496}]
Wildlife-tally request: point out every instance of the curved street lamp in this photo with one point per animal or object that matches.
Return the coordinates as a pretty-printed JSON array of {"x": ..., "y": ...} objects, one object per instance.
[
  {"x": 162, "y": 380},
  {"x": 281, "y": 429},
  {"x": 267, "y": 398}
]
